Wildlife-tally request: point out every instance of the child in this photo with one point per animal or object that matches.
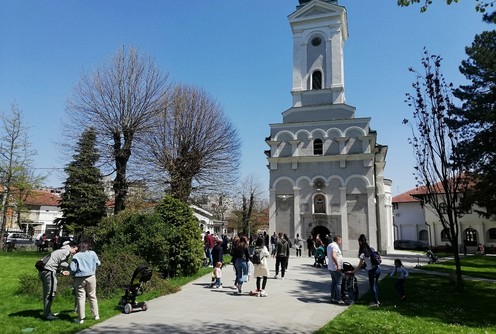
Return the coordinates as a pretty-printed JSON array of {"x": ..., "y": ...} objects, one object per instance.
[
  {"x": 216, "y": 276},
  {"x": 402, "y": 275}
]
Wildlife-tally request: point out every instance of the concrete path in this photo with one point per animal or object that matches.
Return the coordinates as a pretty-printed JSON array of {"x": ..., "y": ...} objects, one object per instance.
[{"x": 298, "y": 304}]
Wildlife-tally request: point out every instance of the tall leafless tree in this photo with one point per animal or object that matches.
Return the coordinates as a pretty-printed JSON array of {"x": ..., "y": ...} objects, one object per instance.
[
  {"x": 17, "y": 175},
  {"x": 435, "y": 148},
  {"x": 119, "y": 100},
  {"x": 193, "y": 144}
]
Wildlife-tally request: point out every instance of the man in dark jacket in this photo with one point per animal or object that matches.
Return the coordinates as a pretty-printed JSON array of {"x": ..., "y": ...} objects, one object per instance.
[{"x": 282, "y": 254}]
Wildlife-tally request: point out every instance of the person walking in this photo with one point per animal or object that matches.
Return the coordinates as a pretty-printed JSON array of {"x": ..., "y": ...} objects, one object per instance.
[
  {"x": 48, "y": 275},
  {"x": 209, "y": 243},
  {"x": 335, "y": 266},
  {"x": 298, "y": 243},
  {"x": 217, "y": 252},
  {"x": 241, "y": 257},
  {"x": 402, "y": 273},
  {"x": 83, "y": 267},
  {"x": 273, "y": 244},
  {"x": 261, "y": 270},
  {"x": 373, "y": 270},
  {"x": 282, "y": 254},
  {"x": 217, "y": 276},
  {"x": 310, "y": 246}
]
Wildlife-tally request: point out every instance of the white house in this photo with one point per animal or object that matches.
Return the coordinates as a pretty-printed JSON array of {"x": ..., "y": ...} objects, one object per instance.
[
  {"x": 415, "y": 220},
  {"x": 41, "y": 209}
]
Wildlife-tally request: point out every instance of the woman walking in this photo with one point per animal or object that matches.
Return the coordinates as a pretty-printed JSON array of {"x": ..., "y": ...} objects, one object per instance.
[{"x": 241, "y": 257}]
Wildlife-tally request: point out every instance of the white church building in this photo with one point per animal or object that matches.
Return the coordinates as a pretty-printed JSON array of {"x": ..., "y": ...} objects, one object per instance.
[{"x": 326, "y": 168}]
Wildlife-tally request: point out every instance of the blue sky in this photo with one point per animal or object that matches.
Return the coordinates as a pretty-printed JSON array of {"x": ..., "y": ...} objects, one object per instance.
[{"x": 240, "y": 52}]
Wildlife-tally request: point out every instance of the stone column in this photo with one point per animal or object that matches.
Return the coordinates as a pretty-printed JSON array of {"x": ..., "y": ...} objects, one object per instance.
[
  {"x": 272, "y": 211},
  {"x": 371, "y": 217},
  {"x": 297, "y": 217},
  {"x": 343, "y": 210}
]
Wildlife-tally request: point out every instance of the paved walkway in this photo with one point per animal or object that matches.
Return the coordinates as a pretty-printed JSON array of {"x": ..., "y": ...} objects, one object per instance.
[{"x": 298, "y": 304}]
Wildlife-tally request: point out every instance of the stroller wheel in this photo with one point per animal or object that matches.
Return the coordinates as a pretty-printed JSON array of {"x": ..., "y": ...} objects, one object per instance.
[
  {"x": 128, "y": 308},
  {"x": 144, "y": 307}
]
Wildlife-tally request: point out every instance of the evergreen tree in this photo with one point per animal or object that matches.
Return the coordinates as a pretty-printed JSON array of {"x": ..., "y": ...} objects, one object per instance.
[
  {"x": 83, "y": 202},
  {"x": 477, "y": 119}
]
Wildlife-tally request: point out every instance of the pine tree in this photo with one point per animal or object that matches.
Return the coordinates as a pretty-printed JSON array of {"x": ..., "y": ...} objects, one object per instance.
[
  {"x": 477, "y": 119},
  {"x": 83, "y": 201}
]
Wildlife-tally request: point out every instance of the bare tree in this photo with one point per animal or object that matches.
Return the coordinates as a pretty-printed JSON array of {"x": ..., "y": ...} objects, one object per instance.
[
  {"x": 120, "y": 101},
  {"x": 434, "y": 144},
  {"x": 193, "y": 144},
  {"x": 16, "y": 171},
  {"x": 248, "y": 216}
]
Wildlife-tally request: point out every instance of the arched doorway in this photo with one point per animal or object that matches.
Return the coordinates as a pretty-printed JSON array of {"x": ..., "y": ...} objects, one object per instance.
[{"x": 323, "y": 232}]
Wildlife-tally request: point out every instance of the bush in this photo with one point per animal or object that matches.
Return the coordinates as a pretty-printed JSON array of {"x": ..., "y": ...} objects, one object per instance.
[
  {"x": 115, "y": 273},
  {"x": 31, "y": 285},
  {"x": 169, "y": 240},
  {"x": 185, "y": 245}
]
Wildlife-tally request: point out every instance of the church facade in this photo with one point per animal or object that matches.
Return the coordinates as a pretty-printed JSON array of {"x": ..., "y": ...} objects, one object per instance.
[{"x": 326, "y": 168}]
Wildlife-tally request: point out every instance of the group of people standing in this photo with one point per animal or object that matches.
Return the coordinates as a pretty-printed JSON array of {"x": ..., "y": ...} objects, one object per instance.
[
  {"x": 82, "y": 267},
  {"x": 335, "y": 266}
]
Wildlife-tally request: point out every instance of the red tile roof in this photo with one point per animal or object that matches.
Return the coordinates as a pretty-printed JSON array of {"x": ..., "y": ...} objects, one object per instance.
[
  {"x": 407, "y": 197},
  {"x": 38, "y": 197}
]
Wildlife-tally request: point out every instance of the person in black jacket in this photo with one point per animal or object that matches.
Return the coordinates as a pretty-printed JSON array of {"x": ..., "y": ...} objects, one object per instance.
[
  {"x": 217, "y": 252},
  {"x": 241, "y": 256},
  {"x": 282, "y": 254}
]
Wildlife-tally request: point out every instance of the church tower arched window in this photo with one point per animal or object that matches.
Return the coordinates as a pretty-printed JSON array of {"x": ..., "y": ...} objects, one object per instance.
[
  {"x": 318, "y": 147},
  {"x": 317, "y": 80},
  {"x": 319, "y": 205}
]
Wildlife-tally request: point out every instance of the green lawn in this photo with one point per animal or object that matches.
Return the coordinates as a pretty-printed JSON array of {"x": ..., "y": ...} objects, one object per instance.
[
  {"x": 21, "y": 312},
  {"x": 432, "y": 305},
  {"x": 474, "y": 266}
]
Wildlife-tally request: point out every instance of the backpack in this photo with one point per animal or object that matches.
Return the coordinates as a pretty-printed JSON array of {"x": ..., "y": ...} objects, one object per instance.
[
  {"x": 257, "y": 256},
  {"x": 40, "y": 264},
  {"x": 375, "y": 257}
]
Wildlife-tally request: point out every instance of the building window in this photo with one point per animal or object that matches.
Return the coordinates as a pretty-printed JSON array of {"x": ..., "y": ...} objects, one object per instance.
[
  {"x": 491, "y": 233},
  {"x": 442, "y": 208},
  {"x": 423, "y": 235},
  {"x": 316, "y": 41},
  {"x": 471, "y": 237},
  {"x": 318, "y": 147},
  {"x": 319, "y": 204},
  {"x": 317, "y": 80},
  {"x": 444, "y": 234}
]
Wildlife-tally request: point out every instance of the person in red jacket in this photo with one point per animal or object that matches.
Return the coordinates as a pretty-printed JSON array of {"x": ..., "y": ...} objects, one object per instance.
[{"x": 209, "y": 243}]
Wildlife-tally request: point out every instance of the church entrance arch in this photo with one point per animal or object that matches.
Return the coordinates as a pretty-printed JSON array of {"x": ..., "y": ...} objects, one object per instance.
[{"x": 320, "y": 230}]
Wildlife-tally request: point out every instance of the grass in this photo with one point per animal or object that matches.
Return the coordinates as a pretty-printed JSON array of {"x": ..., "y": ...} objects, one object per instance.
[
  {"x": 432, "y": 305},
  {"x": 22, "y": 313},
  {"x": 474, "y": 266}
]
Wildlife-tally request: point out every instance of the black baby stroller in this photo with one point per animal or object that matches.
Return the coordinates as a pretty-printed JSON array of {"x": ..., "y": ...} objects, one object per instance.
[
  {"x": 349, "y": 284},
  {"x": 141, "y": 275}
]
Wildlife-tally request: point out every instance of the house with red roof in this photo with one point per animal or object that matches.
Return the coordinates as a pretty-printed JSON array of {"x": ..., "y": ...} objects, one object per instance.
[
  {"x": 41, "y": 208},
  {"x": 415, "y": 220}
]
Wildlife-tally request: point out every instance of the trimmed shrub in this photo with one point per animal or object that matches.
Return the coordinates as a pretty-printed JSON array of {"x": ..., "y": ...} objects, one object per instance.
[{"x": 185, "y": 245}]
